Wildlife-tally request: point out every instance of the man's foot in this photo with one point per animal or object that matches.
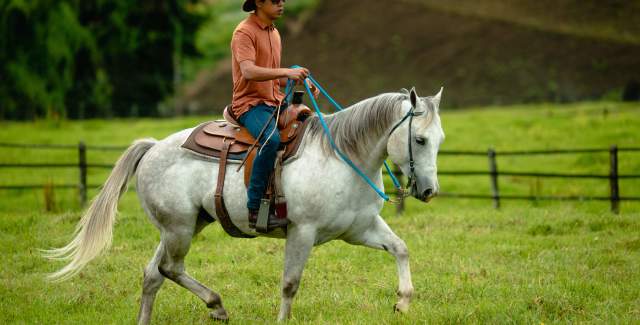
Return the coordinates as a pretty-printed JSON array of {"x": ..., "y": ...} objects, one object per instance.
[{"x": 273, "y": 223}]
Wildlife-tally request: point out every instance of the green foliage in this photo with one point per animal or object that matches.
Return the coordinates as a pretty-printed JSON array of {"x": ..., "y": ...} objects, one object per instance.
[
  {"x": 214, "y": 36},
  {"x": 37, "y": 57},
  {"x": 103, "y": 58},
  {"x": 91, "y": 58}
]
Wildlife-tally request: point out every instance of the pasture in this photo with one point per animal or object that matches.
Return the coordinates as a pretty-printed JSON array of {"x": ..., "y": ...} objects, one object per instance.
[{"x": 542, "y": 262}]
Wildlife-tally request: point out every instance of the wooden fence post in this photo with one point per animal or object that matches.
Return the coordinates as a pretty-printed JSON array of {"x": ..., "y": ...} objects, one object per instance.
[
  {"x": 613, "y": 179},
  {"x": 399, "y": 195},
  {"x": 82, "y": 164},
  {"x": 493, "y": 170}
]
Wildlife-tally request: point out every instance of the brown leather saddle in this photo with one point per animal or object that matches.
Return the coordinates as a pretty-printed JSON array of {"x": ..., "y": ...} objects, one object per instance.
[{"x": 227, "y": 140}]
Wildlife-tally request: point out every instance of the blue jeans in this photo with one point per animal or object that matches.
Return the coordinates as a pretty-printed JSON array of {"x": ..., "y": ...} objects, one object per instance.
[{"x": 254, "y": 120}]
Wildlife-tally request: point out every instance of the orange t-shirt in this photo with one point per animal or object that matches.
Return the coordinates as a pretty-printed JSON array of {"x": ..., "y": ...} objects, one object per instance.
[{"x": 258, "y": 42}]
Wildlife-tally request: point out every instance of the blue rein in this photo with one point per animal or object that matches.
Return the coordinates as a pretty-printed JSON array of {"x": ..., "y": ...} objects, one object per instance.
[{"x": 290, "y": 83}]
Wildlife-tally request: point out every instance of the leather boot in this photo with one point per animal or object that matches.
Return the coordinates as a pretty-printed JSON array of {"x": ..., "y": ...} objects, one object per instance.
[{"x": 273, "y": 223}]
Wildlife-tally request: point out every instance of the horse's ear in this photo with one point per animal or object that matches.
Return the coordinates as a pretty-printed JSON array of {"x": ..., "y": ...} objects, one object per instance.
[
  {"x": 413, "y": 97},
  {"x": 436, "y": 98}
]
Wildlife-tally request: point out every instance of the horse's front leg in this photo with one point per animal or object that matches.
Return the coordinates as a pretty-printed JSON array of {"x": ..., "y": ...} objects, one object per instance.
[
  {"x": 300, "y": 241},
  {"x": 380, "y": 236}
]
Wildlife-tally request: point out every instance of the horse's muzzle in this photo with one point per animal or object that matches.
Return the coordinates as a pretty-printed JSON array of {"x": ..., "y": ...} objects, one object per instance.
[{"x": 425, "y": 196}]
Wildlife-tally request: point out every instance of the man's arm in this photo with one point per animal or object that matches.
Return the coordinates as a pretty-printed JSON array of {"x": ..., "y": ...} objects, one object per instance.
[{"x": 251, "y": 71}]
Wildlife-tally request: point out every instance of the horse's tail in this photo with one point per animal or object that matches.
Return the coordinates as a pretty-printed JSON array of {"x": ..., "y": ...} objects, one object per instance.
[{"x": 94, "y": 231}]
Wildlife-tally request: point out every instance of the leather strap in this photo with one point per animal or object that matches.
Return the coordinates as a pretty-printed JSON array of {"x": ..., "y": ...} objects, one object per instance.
[
  {"x": 277, "y": 179},
  {"x": 221, "y": 209},
  {"x": 257, "y": 140}
]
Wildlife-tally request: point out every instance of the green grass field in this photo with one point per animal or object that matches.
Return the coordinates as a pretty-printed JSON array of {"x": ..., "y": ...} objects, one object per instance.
[{"x": 548, "y": 262}]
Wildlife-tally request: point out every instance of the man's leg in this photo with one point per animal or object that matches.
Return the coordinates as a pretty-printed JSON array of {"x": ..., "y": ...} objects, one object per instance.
[{"x": 254, "y": 120}]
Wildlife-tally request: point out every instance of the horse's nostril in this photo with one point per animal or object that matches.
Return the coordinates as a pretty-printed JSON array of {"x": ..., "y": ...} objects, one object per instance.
[{"x": 428, "y": 192}]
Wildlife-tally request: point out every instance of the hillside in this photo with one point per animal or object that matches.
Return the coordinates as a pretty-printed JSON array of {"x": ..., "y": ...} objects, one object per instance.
[
  {"x": 494, "y": 53},
  {"x": 601, "y": 19}
]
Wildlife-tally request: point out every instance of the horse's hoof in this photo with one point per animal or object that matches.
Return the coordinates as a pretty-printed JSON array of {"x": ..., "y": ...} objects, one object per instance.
[
  {"x": 219, "y": 315},
  {"x": 400, "y": 308}
]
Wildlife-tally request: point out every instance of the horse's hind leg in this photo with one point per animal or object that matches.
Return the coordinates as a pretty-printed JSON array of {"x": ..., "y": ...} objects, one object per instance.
[
  {"x": 176, "y": 244},
  {"x": 380, "y": 236},
  {"x": 152, "y": 282}
]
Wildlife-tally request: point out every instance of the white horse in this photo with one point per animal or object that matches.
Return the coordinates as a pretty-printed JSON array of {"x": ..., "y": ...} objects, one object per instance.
[{"x": 326, "y": 199}]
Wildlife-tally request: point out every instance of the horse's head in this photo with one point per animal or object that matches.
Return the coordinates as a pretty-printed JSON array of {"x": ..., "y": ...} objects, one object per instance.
[{"x": 419, "y": 137}]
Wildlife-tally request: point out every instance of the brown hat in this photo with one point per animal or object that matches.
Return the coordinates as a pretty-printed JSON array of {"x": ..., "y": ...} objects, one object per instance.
[{"x": 249, "y": 5}]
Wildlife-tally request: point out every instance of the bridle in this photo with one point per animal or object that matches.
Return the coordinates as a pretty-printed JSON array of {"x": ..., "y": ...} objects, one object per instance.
[{"x": 411, "y": 183}]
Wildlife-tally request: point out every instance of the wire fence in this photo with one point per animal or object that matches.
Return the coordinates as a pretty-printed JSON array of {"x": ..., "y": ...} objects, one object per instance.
[{"x": 493, "y": 172}]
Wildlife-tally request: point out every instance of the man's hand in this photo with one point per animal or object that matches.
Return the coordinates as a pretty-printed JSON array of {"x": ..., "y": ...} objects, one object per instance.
[
  {"x": 313, "y": 88},
  {"x": 297, "y": 74}
]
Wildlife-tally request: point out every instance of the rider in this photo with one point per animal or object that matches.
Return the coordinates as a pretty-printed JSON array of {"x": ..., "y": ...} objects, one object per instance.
[{"x": 257, "y": 78}]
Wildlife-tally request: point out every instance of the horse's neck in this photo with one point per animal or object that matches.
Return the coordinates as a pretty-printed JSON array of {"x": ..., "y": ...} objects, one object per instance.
[
  {"x": 378, "y": 154},
  {"x": 377, "y": 150},
  {"x": 361, "y": 132}
]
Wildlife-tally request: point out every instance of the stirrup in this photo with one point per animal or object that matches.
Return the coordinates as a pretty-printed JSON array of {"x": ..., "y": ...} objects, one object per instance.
[
  {"x": 262, "y": 224},
  {"x": 266, "y": 222}
]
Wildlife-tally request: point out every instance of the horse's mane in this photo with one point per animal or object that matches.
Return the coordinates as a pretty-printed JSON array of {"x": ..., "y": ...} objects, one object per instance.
[{"x": 355, "y": 128}]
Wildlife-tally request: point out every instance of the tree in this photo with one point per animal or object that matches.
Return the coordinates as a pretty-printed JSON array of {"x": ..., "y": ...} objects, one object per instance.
[{"x": 91, "y": 58}]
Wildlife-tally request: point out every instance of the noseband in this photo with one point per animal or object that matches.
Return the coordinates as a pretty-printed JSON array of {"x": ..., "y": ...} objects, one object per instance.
[{"x": 412, "y": 170}]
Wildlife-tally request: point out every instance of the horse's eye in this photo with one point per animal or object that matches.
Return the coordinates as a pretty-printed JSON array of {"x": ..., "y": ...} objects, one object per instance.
[{"x": 420, "y": 141}]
